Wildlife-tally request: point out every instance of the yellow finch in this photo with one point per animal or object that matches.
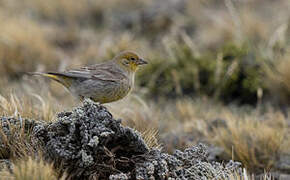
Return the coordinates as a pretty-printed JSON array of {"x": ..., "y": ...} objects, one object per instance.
[{"x": 104, "y": 82}]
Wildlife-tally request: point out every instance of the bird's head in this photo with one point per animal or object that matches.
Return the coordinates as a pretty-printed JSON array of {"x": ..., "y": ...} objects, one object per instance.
[{"x": 129, "y": 61}]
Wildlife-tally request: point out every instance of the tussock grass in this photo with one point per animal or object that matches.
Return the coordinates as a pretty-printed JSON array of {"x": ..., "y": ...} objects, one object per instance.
[
  {"x": 278, "y": 78},
  {"x": 246, "y": 135},
  {"x": 33, "y": 106},
  {"x": 15, "y": 129},
  {"x": 255, "y": 142},
  {"x": 31, "y": 169},
  {"x": 16, "y": 143},
  {"x": 150, "y": 138},
  {"x": 24, "y": 47},
  {"x": 136, "y": 113},
  {"x": 246, "y": 176}
]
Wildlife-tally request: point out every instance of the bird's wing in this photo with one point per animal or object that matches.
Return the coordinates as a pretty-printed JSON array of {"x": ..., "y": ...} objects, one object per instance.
[{"x": 103, "y": 72}]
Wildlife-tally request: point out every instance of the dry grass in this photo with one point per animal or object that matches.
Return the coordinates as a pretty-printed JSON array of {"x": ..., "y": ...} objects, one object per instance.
[
  {"x": 16, "y": 136},
  {"x": 256, "y": 142},
  {"x": 150, "y": 138},
  {"x": 16, "y": 143},
  {"x": 278, "y": 78},
  {"x": 253, "y": 138},
  {"x": 136, "y": 113},
  {"x": 24, "y": 47},
  {"x": 33, "y": 106},
  {"x": 246, "y": 176},
  {"x": 31, "y": 169}
]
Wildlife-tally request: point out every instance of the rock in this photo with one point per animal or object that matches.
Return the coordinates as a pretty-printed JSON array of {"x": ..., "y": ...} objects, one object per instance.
[
  {"x": 188, "y": 164},
  {"x": 89, "y": 142},
  {"x": 283, "y": 164},
  {"x": 120, "y": 176},
  {"x": 284, "y": 177}
]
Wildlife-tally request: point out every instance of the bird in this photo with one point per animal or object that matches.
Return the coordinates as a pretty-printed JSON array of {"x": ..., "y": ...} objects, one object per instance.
[{"x": 104, "y": 82}]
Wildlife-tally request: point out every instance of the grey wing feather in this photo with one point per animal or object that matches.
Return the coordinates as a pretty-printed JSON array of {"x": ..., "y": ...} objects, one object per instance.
[
  {"x": 72, "y": 74},
  {"x": 103, "y": 72}
]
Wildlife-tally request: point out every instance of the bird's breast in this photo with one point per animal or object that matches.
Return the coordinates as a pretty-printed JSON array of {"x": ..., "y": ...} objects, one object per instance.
[
  {"x": 113, "y": 91},
  {"x": 123, "y": 89}
]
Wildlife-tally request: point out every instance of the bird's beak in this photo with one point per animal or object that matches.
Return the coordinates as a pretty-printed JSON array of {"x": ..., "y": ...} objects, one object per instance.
[{"x": 141, "y": 62}]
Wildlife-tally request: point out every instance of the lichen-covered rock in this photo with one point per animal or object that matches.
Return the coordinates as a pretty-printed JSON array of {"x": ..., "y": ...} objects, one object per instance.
[
  {"x": 190, "y": 164},
  {"x": 120, "y": 176},
  {"x": 87, "y": 142},
  {"x": 283, "y": 163}
]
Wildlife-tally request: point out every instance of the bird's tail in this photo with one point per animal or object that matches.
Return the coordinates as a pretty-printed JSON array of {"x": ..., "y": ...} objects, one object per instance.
[
  {"x": 45, "y": 74},
  {"x": 66, "y": 81}
]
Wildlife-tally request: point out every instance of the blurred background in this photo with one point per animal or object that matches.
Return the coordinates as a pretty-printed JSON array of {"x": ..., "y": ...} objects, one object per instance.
[{"x": 218, "y": 72}]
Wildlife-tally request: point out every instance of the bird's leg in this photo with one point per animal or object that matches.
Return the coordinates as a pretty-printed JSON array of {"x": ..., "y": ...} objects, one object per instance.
[
  {"x": 82, "y": 98},
  {"x": 98, "y": 103}
]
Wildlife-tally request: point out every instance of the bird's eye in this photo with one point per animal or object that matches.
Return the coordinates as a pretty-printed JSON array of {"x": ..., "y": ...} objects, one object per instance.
[{"x": 132, "y": 58}]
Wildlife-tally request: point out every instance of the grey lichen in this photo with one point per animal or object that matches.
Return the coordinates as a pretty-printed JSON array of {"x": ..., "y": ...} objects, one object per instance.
[
  {"x": 89, "y": 141},
  {"x": 190, "y": 164},
  {"x": 94, "y": 141},
  {"x": 120, "y": 176},
  {"x": 87, "y": 160}
]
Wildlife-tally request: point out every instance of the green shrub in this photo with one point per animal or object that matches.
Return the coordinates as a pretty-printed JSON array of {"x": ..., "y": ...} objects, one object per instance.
[{"x": 232, "y": 72}]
